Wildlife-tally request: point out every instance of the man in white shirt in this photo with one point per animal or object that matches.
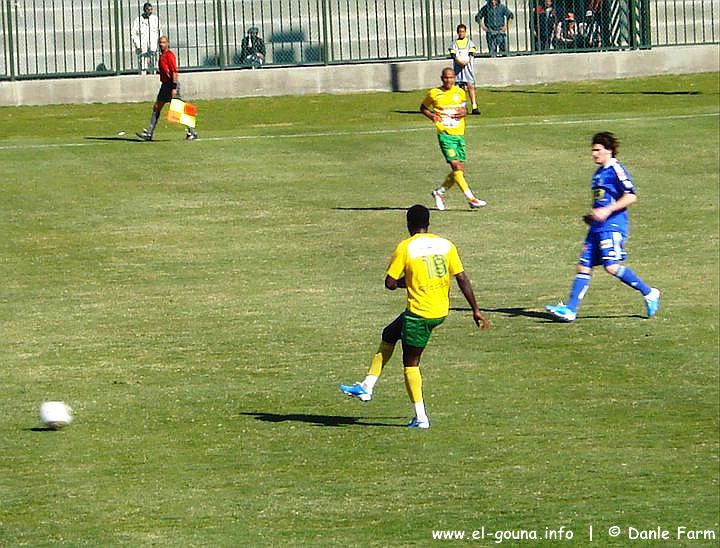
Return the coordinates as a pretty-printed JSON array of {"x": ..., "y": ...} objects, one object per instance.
[{"x": 145, "y": 35}]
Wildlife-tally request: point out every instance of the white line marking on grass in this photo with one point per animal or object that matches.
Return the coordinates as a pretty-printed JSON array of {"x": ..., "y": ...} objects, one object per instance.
[{"x": 389, "y": 131}]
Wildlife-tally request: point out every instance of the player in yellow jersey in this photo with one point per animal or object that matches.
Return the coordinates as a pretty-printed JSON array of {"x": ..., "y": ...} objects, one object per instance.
[
  {"x": 423, "y": 264},
  {"x": 445, "y": 107}
]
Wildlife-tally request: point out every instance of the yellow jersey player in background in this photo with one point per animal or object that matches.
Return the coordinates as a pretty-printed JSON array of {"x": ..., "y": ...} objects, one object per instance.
[
  {"x": 446, "y": 107},
  {"x": 423, "y": 264}
]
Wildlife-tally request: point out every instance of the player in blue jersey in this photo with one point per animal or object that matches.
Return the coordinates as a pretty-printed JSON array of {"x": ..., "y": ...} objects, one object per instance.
[{"x": 613, "y": 191}]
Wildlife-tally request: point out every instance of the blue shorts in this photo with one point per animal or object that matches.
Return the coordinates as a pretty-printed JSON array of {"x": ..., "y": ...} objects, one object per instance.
[{"x": 603, "y": 248}]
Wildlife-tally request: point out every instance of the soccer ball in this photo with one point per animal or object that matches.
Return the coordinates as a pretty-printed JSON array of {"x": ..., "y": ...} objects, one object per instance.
[{"x": 55, "y": 414}]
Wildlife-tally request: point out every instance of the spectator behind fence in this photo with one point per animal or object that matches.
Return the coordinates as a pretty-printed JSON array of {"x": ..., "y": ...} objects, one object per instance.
[
  {"x": 544, "y": 20},
  {"x": 463, "y": 50},
  {"x": 566, "y": 33},
  {"x": 252, "y": 49},
  {"x": 495, "y": 18},
  {"x": 597, "y": 22},
  {"x": 145, "y": 33}
]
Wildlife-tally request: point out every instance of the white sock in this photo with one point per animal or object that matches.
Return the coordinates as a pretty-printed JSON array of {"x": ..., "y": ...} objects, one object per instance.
[
  {"x": 441, "y": 189},
  {"x": 369, "y": 383},
  {"x": 469, "y": 194},
  {"x": 420, "y": 411}
]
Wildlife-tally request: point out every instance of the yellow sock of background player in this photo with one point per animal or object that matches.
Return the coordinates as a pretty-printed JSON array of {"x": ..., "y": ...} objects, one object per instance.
[
  {"x": 381, "y": 357},
  {"x": 462, "y": 183},
  {"x": 413, "y": 383},
  {"x": 449, "y": 181}
]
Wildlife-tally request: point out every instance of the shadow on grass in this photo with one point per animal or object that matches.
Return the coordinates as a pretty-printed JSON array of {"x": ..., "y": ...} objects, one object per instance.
[
  {"x": 542, "y": 315},
  {"x": 512, "y": 312},
  {"x": 320, "y": 420},
  {"x": 371, "y": 208},
  {"x": 127, "y": 139},
  {"x": 416, "y": 111},
  {"x": 391, "y": 208},
  {"x": 43, "y": 429},
  {"x": 592, "y": 92}
]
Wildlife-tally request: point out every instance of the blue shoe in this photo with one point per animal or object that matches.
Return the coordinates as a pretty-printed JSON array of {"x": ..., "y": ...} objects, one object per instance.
[
  {"x": 356, "y": 391},
  {"x": 561, "y": 312},
  {"x": 652, "y": 302},
  {"x": 422, "y": 425}
]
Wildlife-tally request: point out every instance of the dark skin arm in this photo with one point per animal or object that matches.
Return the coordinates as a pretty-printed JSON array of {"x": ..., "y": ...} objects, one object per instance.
[
  {"x": 392, "y": 284},
  {"x": 465, "y": 287}
]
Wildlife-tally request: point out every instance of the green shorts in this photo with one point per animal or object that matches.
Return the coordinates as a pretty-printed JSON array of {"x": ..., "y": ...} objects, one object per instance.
[
  {"x": 411, "y": 328},
  {"x": 452, "y": 147}
]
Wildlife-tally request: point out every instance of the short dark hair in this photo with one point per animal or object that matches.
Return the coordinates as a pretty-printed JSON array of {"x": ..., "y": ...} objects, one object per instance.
[
  {"x": 418, "y": 216},
  {"x": 608, "y": 140},
  {"x": 460, "y": 26},
  {"x": 147, "y": 5}
]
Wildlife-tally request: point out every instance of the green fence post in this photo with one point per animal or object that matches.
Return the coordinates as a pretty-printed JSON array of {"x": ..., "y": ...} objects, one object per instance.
[
  {"x": 220, "y": 38},
  {"x": 428, "y": 30},
  {"x": 116, "y": 26},
  {"x": 11, "y": 49},
  {"x": 644, "y": 24},
  {"x": 325, "y": 46}
]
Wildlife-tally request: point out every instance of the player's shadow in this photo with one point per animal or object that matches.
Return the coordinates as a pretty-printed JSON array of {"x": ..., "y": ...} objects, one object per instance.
[
  {"x": 513, "y": 312},
  {"x": 593, "y": 92},
  {"x": 614, "y": 316},
  {"x": 42, "y": 429},
  {"x": 679, "y": 92},
  {"x": 319, "y": 420},
  {"x": 392, "y": 208},
  {"x": 117, "y": 138},
  {"x": 524, "y": 91},
  {"x": 416, "y": 111},
  {"x": 371, "y": 208},
  {"x": 127, "y": 139}
]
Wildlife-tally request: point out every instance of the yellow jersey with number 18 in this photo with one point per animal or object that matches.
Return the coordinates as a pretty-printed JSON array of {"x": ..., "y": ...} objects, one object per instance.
[
  {"x": 428, "y": 262},
  {"x": 446, "y": 103}
]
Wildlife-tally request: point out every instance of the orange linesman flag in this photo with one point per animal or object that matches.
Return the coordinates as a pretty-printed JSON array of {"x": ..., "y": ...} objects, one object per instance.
[{"x": 182, "y": 113}]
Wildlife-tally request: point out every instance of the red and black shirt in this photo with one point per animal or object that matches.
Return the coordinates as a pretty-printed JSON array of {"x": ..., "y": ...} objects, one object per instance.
[{"x": 167, "y": 66}]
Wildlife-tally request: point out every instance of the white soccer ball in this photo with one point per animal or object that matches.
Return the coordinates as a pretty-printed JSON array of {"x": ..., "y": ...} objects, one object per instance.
[{"x": 55, "y": 414}]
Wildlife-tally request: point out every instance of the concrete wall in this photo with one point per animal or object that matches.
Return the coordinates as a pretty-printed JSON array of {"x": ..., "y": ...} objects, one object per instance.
[{"x": 371, "y": 77}]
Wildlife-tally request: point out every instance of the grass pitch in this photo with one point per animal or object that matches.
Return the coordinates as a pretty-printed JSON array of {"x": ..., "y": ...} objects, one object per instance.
[{"x": 198, "y": 303}]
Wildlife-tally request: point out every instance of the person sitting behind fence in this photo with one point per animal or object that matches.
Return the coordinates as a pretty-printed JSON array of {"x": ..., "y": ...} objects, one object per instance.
[
  {"x": 252, "y": 51},
  {"x": 566, "y": 33}
]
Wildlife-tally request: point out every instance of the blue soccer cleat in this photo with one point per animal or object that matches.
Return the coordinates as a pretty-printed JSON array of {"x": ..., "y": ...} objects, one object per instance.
[
  {"x": 422, "y": 425},
  {"x": 652, "y": 302},
  {"x": 561, "y": 312},
  {"x": 356, "y": 391}
]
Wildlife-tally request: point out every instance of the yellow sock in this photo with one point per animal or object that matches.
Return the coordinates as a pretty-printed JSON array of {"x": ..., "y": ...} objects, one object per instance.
[
  {"x": 383, "y": 355},
  {"x": 459, "y": 177},
  {"x": 449, "y": 181},
  {"x": 413, "y": 383}
]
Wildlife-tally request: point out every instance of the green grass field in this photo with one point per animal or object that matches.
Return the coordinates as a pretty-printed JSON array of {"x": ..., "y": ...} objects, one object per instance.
[{"x": 197, "y": 304}]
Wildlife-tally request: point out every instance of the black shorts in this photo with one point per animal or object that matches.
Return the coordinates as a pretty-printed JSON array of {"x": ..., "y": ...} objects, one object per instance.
[{"x": 165, "y": 93}]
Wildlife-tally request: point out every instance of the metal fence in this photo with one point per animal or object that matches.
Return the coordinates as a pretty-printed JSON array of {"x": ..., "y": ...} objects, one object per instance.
[{"x": 50, "y": 38}]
